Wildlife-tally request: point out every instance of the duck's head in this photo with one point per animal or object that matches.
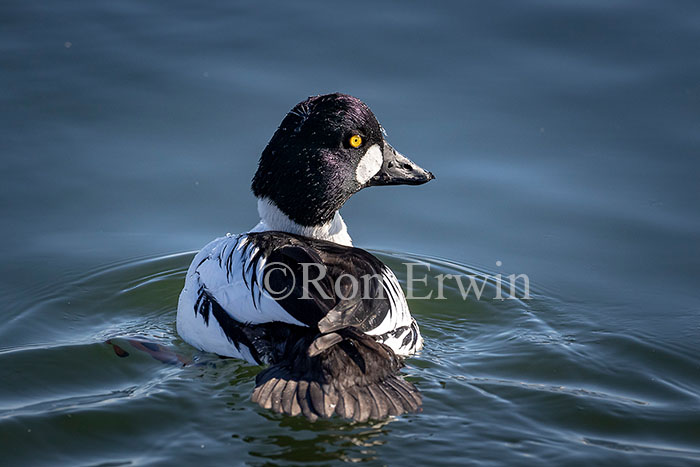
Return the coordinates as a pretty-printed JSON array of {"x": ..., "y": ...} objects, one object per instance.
[{"x": 326, "y": 149}]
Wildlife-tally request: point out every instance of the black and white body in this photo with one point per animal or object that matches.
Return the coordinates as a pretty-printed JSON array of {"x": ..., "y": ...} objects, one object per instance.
[{"x": 330, "y": 319}]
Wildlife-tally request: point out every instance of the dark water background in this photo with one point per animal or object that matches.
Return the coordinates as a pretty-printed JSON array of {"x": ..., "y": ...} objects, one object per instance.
[{"x": 565, "y": 137}]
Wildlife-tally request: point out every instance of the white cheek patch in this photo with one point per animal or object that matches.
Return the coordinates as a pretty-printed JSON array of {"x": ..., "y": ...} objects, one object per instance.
[{"x": 369, "y": 165}]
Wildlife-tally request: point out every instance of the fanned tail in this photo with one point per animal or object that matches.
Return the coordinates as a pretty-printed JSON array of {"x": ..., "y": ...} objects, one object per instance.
[{"x": 346, "y": 373}]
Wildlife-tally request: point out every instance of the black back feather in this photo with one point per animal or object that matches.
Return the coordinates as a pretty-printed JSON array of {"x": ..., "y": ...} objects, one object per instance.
[{"x": 364, "y": 308}]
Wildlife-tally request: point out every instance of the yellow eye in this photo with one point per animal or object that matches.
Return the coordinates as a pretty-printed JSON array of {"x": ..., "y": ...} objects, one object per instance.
[{"x": 355, "y": 141}]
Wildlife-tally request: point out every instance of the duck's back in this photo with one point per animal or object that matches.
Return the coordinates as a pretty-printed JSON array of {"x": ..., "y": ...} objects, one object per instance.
[{"x": 248, "y": 296}]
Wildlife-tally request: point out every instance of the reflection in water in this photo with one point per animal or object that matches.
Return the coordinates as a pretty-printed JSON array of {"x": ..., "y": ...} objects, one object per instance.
[{"x": 323, "y": 440}]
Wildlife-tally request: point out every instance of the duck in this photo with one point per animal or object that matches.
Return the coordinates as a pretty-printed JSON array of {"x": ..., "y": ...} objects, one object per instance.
[{"x": 329, "y": 320}]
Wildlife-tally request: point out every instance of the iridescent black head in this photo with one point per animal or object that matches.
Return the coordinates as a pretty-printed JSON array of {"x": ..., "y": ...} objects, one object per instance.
[{"x": 327, "y": 148}]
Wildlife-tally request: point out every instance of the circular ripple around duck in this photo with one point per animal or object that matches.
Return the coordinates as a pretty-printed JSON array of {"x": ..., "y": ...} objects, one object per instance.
[{"x": 501, "y": 378}]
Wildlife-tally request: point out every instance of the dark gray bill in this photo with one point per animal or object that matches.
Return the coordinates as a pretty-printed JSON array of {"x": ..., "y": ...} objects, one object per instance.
[{"x": 399, "y": 170}]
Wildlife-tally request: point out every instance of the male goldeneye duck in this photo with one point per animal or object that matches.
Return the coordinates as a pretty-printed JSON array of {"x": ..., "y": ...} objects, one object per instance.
[{"x": 283, "y": 293}]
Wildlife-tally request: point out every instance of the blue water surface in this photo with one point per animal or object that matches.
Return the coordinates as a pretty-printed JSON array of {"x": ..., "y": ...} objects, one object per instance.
[{"x": 565, "y": 137}]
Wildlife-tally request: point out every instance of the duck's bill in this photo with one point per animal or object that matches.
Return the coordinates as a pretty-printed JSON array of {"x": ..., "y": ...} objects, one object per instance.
[{"x": 399, "y": 170}]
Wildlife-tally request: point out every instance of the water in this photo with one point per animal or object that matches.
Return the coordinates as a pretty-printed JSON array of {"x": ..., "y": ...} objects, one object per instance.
[{"x": 565, "y": 139}]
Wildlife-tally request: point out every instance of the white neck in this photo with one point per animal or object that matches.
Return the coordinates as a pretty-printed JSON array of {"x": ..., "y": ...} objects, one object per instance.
[{"x": 271, "y": 218}]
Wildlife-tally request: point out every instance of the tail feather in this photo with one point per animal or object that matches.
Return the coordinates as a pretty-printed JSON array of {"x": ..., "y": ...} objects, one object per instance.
[
  {"x": 345, "y": 373},
  {"x": 304, "y": 402},
  {"x": 289, "y": 399}
]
